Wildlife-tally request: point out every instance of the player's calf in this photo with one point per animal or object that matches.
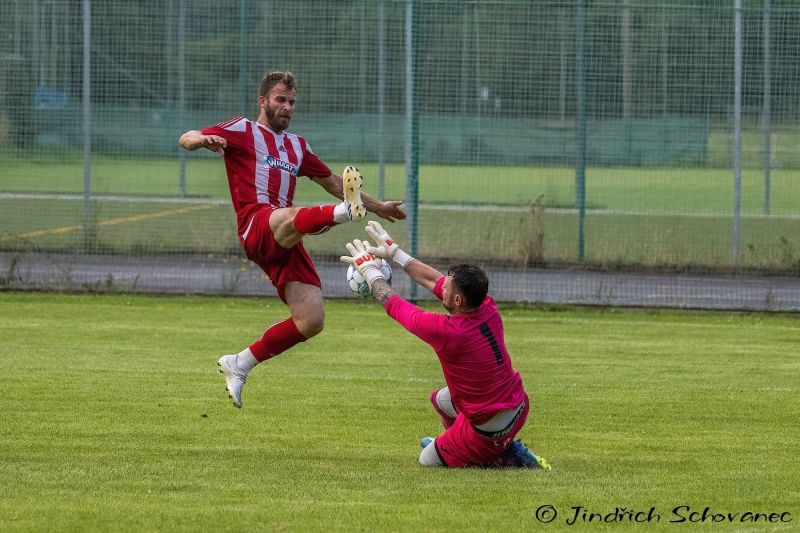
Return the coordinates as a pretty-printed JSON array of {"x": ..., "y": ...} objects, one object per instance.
[
  {"x": 316, "y": 220},
  {"x": 313, "y": 220}
]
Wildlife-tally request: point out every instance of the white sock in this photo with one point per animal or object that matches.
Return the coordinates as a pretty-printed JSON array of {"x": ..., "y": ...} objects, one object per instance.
[
  {"x": 340, "y": 213},
  {"x": 245, "y": 361},
  {"x": 429, "y": 457}
]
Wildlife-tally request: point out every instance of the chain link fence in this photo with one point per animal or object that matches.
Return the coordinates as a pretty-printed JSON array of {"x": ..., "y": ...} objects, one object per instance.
[{"x": 617, "y": 137}]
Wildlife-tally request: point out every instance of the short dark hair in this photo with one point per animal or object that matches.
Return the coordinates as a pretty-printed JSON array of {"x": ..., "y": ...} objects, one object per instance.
[
  {"x": 271, "y": 79},
  {"x": 471, "y": 282}
]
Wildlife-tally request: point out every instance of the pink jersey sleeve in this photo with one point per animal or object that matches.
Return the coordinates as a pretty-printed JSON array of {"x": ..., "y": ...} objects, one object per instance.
[
  {"x": 312, "y": 166},
  {"x": 430, "y": 327}
]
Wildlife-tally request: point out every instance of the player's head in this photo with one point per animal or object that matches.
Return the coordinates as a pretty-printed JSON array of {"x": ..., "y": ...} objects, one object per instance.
[
  {"x": 276, "y": 98},
  {"x": 464, "y": 288}
]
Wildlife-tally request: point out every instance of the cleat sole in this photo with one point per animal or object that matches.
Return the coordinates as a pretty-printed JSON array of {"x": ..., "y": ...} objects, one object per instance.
[{"x": 352, "y": 182}]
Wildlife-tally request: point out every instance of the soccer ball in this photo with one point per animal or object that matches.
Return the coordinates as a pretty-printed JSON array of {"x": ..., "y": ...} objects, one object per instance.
[{"x": 359, "y": 285}]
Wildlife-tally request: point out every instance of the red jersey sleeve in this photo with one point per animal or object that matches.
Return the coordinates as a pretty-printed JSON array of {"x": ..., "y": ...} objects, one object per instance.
[
  {"x": 312, "y": 166},
  {"x": 236, "y": 138}
]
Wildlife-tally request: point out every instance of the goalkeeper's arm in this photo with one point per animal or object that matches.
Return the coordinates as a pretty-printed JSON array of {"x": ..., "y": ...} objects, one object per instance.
[{"x": 423, "y": 274}]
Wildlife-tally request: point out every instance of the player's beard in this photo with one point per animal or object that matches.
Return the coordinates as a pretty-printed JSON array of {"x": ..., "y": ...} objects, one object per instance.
[{"x": 277, "y": 122}]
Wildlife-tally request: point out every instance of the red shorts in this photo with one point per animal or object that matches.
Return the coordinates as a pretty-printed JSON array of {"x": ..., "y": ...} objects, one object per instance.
[
  {"x": 280, "y": 264},
  {"x": 462, "y": 445}
]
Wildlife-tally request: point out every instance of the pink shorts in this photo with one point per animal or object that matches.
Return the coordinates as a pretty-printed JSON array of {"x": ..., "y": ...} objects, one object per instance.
[
  {"x": 462, "y": 445},
  {"x": 280, "y": 264}
]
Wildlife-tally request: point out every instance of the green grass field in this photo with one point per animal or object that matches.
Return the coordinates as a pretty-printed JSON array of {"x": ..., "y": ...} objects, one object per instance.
[
  {"x": 662, "y": 217},
  {"x": 113, "y": 417}
]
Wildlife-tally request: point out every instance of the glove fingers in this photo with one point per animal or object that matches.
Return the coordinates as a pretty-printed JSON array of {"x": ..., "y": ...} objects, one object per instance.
[
  {"x": 376, "y": 226},
  {"x": 351, "y": 249},
  {"x": 374, "y": 235},
  {"x": 347, "y": 259}
]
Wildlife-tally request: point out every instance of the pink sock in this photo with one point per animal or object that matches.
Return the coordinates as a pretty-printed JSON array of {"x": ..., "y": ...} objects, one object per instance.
[
  {"x": 313, "y": 219},
  {"x": 277, "y": 339}
]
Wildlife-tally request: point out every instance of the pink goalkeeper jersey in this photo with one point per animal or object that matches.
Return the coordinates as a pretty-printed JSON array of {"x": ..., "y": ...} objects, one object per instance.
[
  {"x": 263, "y": 166},
  {"x": 471, "y": 349}
]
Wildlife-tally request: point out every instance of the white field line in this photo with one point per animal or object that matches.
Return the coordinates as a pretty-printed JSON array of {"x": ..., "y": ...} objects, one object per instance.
[{"x": 423, "y": 206}]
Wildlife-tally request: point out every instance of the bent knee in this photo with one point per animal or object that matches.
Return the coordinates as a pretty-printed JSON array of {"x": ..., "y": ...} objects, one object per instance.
[
  {"x": 282, "y": 225},
  {"x": 310, "y": 326}
]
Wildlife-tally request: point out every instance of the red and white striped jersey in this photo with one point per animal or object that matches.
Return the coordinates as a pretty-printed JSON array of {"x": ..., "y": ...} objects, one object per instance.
[{"x": 263, "y": 166}]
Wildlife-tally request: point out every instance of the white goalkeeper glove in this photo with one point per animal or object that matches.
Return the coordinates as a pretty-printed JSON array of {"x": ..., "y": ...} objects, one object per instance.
[
  {"x": 367, "y": 264},
  {"x": 387, "y": 248}
]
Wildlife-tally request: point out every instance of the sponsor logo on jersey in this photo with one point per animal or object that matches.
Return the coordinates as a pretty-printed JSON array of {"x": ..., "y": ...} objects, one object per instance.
[{"x": 274, "y": 162}]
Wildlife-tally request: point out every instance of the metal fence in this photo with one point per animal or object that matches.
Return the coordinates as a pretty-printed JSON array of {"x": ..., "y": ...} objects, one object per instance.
[{"x": 607, "y": 137}]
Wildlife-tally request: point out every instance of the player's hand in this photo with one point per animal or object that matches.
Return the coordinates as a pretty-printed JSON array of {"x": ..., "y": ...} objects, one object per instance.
[
  {"x": 214, "y": 143},
  {"x": 366, "y": 263},
  {"x": 390, "y": 210},
  {"x": 386, "y": 247}
]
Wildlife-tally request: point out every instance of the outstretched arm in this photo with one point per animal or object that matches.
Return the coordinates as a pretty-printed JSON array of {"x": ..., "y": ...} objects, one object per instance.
[
  {"x": 193, "y": 139},
  {"x": 422, "y": 273},
  {"x": 430, "y": 327},
  {"x": 389, "y": 210}
]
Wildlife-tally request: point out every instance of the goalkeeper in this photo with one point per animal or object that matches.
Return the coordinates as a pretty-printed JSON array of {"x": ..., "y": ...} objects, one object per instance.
[{"x": 484, "y": 404}]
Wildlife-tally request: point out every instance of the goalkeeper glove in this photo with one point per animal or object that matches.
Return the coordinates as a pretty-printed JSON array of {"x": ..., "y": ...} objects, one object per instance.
[
  {"x": 387, "y": 248},
  {"x": 366, "y": 263}
]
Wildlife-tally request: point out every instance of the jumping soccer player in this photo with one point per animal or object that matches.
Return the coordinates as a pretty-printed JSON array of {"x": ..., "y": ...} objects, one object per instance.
[
  {"x": 263, "y": 162},
  {"x": 484, "y": 404}
]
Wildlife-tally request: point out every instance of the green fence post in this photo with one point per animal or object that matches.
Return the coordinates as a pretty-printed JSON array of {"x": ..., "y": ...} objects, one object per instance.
[
  {"x": 412, "y": 134},
  {"x": 381, "y": 101},
  {"x": 766, "y": 118},
  {"x": 580, "y": 166},
  {"x": 737, "y": 130},
  {"x": 242, "y": 85},
  {"x": 182, "y": 92},
  {"x": 87, "y": 122}
]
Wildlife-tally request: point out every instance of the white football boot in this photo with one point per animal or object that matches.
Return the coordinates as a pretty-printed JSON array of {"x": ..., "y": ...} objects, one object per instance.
[
  {"x": 234, "y": 378},
  {"x": 351, "y": 186}
]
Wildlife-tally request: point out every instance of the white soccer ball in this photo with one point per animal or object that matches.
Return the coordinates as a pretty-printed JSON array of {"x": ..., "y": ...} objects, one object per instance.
[{"x": 359, "y": 285}]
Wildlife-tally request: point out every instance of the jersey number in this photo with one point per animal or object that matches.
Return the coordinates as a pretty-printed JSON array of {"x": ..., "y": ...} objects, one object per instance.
[{"x": 486, "y": 332}]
